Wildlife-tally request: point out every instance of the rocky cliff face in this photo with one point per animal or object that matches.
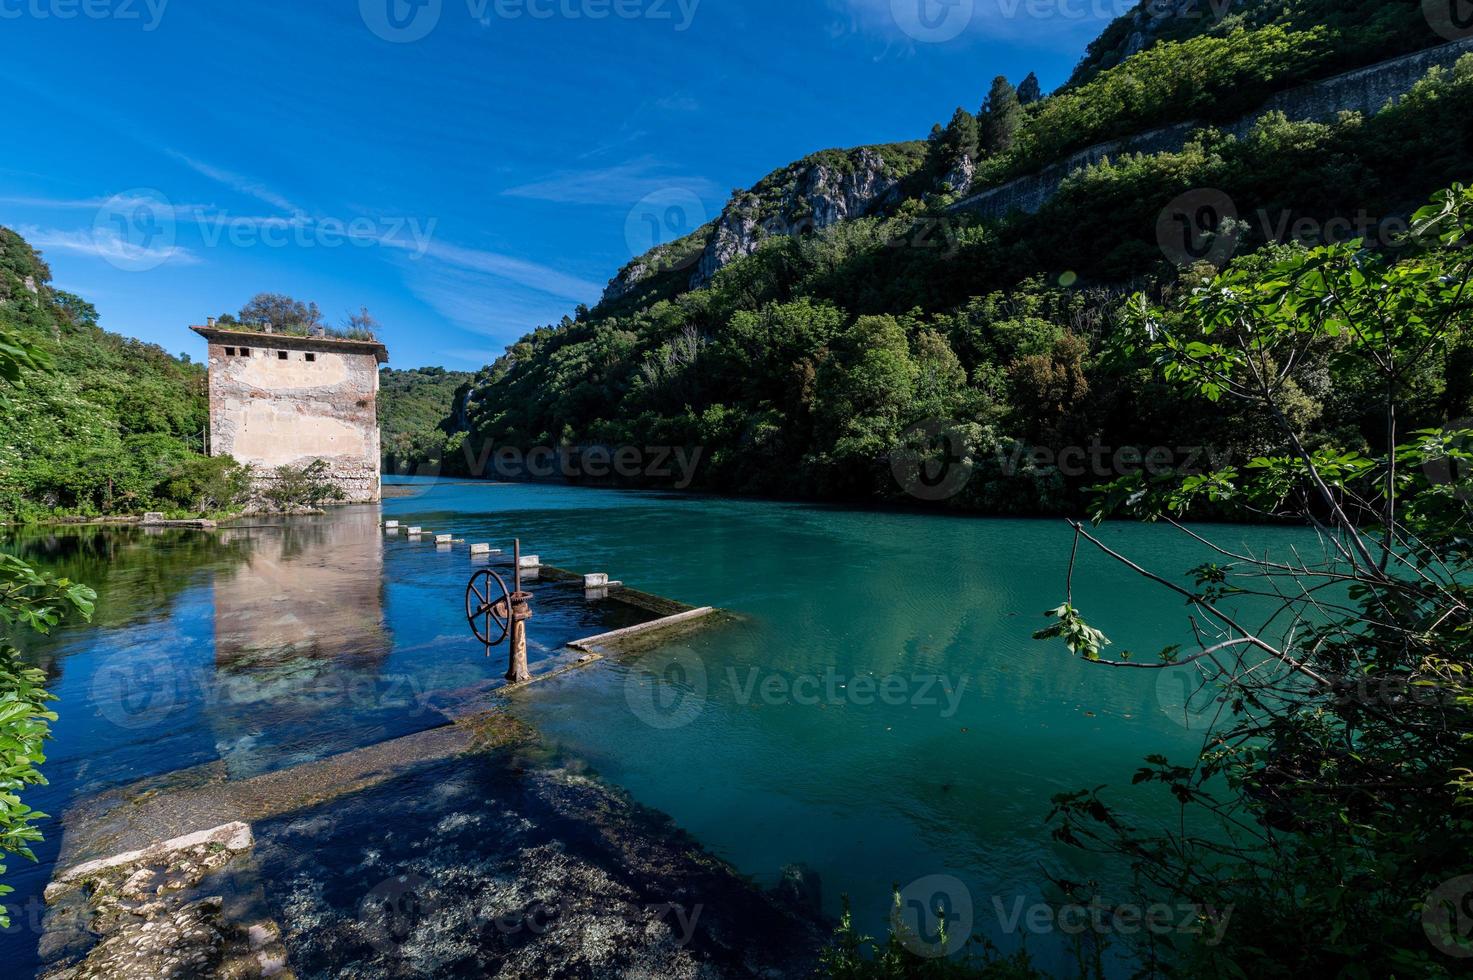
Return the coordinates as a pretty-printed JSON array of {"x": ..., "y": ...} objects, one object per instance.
[
  {"x": 823, "y": 190},
  {"x": 805, "y": 197}
]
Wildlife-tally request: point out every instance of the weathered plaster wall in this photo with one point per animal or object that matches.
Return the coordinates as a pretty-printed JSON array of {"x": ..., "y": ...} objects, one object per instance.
[
  {"x": 1366, "y": 90},
  {"x": 270, "y": 412}
]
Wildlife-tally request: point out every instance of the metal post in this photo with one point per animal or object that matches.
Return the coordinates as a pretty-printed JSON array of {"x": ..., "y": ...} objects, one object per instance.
[{"x": 517, "y": 671}]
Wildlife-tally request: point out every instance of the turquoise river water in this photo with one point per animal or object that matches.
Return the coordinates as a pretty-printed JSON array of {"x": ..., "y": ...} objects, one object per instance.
[{"x": 874, "y": 709}]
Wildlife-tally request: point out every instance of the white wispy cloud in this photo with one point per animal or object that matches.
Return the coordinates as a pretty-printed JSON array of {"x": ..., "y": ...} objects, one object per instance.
[
  {"x": 116, "y": 202},
  {"x": 238, "y": 182},
  {"x": 107, "y": 244},
  {"x": 622, "y": 184},
  {"x": 520, "y": 272},
  {"x": 484, "y": 307}
]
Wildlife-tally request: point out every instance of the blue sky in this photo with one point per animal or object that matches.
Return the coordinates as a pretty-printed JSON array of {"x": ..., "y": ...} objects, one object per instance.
[{"x": 466, "y": 169}]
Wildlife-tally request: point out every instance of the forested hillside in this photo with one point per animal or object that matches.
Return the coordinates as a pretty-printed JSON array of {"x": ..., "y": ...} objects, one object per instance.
[
  {"x": 868, "y": 303},
  {"x": 412, "y": 407},
  {"x": 115, "y": 426}
]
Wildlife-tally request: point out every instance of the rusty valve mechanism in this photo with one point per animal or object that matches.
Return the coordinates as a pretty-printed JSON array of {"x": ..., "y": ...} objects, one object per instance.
[{"x": 496, "y": 613}]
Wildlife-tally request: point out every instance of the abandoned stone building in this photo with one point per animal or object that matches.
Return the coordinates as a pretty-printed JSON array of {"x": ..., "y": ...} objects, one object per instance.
[{"x": 284, "y": 400}]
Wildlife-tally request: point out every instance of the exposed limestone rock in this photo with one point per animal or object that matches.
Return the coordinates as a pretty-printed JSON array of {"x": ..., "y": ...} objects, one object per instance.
[
  {"x": 154, "y": 913},
  {"x": 629, "y": 277},
  {"x": 959, "y": 178},
  {"x": 735, "y": 236},
  {"x": 812, "y": 195}
]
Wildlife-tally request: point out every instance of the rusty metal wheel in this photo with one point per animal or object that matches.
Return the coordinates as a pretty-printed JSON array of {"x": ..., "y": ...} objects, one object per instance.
[{"x": 488, "y": 607}]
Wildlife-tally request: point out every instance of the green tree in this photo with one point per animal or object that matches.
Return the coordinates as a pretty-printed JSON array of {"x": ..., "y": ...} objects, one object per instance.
[
  {"x": 1030, "y": 91},
  {"x": 958, "y": 142},
  {"x": 281, "y": 311},
  {"x": 1000, "y": 119}
]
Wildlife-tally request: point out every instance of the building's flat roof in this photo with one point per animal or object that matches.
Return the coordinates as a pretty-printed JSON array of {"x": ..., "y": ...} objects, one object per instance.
[{"x": 258, "y": 338}]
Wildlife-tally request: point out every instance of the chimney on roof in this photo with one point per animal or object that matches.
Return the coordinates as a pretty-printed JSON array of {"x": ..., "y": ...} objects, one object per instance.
[
  {"x": 269, "y": 327},
  {"x": 319, "y": 331},
  {"x": 209, "y": 321}
]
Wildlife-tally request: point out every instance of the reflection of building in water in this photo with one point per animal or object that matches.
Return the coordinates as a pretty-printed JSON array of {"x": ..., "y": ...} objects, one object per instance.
[{"x": 311, "y": 589}]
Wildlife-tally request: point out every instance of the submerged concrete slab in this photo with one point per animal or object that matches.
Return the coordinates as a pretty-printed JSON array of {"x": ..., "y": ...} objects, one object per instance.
[{"x": 618, "y": 639}]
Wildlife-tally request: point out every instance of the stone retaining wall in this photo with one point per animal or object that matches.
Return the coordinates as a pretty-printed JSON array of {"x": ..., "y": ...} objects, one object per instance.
[{"x": 1366, "y": 90}]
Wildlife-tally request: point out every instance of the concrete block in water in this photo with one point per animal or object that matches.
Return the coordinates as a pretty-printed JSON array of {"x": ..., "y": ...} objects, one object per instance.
[
  {"x": 480, "y": 549},
  {"x": 531, "y": 561},
  {"x": 416, "y": 530},
  {"x": 443, "y": 539},
  {"x": 391, "y": 525},
  {"x": 153, "y": 517},
  {"x": 596, "y": 580}
]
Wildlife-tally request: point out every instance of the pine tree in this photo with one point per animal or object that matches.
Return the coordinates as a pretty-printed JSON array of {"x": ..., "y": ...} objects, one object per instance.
[
  {"x": 1030, "y": 91},
  {"x": 1001, "y": 117},
  {"x": 959, "y": 140}
]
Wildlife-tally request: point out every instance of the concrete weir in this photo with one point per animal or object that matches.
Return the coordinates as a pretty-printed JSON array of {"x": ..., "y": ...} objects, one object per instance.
[{"x": 159, "y": 878}]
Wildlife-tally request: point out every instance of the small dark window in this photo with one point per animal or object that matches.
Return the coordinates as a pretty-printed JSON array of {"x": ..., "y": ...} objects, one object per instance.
[
  {"x": 230, "y": 352},
  {"x": 281, "y": 355},
  {"x": 311, "y": 357},
  {"x": 245, "y": 352}
]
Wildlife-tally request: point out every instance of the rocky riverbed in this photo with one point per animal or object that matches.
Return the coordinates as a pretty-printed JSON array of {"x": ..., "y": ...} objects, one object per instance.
[{"x": 498, "y": 858}]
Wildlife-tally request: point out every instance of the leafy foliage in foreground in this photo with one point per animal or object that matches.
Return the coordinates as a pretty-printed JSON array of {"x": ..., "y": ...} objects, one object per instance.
[
  {"x": 1337, "y": 761},
  {"x": 37, "y": 601},
  {"x": 854, "y": 956}
]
